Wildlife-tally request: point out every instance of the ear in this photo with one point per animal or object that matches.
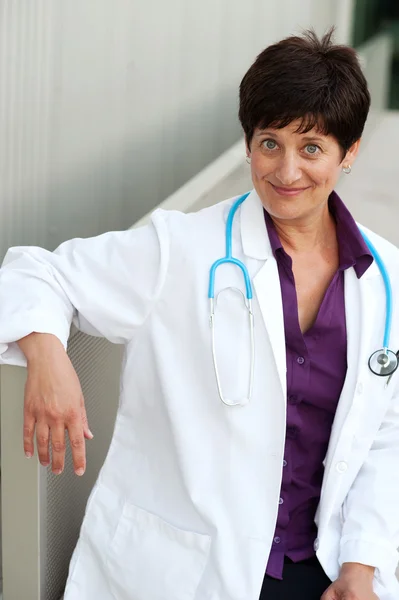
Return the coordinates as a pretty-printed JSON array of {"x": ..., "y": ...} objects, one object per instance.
[{"x": 352, "y": 153}]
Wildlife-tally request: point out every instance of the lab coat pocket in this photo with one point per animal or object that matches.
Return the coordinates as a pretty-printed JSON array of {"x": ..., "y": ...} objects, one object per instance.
[
  {"x": 369, "y": 408},
  {"x": 150, "y": 559}
]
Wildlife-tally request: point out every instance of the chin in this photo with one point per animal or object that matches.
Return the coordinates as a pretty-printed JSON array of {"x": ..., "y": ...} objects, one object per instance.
[
  {"x": 288, "y": 207},
  {"x": 288, "y": 214},
  {"x": 284, "y": 208}
]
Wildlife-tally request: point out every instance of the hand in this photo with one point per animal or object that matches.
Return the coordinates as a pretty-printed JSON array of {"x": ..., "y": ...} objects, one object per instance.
[
  {"x": 53, "y": 403},
  {"x": 355, "y": 582}
]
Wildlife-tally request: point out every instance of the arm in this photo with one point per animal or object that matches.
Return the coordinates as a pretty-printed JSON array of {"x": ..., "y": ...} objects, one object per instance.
[
  {"x": 370, "y": 535},
  {"x": 108, "y": 286},
  {"x": 53, "y": 403}
]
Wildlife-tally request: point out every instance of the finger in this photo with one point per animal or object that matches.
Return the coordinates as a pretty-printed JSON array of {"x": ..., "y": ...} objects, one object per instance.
[
  {"x": 77, "y": 442},
  {"x": 58, "y": 448},
  {"x": 42, "y": 442},
  {"x": 86, "y": 430},
  {"x": 329, "y": 595},
  {"x": 29, "y": 432}
]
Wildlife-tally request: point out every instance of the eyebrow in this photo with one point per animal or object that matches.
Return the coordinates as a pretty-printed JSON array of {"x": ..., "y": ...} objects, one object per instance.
[
  {"x": 265, "y": 132},
  {"x": 313, "y": 139},
  {"x": 275, "y": 136}
]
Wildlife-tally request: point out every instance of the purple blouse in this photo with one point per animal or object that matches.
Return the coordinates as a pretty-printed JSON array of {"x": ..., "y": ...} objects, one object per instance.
[{"x": 316, "y": 370}]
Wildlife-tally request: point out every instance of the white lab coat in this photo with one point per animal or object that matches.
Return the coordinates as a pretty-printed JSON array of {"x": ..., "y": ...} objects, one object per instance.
[{"x": 186, "y": 503}]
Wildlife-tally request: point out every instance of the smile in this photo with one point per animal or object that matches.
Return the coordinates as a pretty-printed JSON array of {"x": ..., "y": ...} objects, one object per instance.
[{"x": 282, "y": 191}]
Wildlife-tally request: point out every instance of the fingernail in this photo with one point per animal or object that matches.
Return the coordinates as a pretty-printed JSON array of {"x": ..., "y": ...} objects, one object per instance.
[
  {"x": 79, "y": 472},
  {"x": 57, "y": 472},
  {"x": 28, "y": 454},
  {"x": 91, "y": 436}
]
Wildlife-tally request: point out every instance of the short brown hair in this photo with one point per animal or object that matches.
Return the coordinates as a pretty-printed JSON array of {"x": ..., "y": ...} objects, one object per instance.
[{"x": 306, "y": 78}]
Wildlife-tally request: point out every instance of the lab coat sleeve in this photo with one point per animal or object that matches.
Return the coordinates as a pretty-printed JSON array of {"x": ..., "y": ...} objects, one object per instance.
[
  {"x": 371, "y": 510},
  {"x": 106, "y": 285}
]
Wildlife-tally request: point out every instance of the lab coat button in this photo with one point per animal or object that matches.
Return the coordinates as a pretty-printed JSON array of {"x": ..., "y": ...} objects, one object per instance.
[
  {"x": 342, "y": 467},
  {"x": 359, "y": 389},
  {"x": 316, "y": 544}
]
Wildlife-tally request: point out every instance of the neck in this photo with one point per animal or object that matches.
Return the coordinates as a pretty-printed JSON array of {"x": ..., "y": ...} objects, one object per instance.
[{"x": 315, "y": 231}]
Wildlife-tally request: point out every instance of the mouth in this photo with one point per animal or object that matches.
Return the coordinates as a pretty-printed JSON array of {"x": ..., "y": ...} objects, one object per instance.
[{"x": 284, "y": 191}]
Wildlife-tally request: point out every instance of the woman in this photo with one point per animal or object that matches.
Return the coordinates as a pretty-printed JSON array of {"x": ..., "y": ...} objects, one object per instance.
[{"x": 210, "y": 492}]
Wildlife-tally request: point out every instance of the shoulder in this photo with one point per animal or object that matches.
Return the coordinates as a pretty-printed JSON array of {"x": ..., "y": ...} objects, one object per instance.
[{"x": 183, "y": 225}]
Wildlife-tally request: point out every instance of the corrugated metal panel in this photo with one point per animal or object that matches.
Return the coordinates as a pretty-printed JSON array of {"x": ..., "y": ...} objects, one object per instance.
[{"x": 26, "y": 82}]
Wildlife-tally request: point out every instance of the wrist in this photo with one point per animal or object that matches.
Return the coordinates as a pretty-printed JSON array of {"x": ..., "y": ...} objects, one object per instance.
[
  {"x": 35, "y": 345},
  {"x": 350, "y": 569}
]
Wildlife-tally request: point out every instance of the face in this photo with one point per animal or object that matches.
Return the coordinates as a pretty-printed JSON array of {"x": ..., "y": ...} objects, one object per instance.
[{"x": 294, "y": 173}]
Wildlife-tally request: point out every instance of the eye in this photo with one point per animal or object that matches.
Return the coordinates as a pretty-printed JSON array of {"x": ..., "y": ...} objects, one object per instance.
[
  {"x": 269, "y": 144},
  {"x": 312, "y": 149}
]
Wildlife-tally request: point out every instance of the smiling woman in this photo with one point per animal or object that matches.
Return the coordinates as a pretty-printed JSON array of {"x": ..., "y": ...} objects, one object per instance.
[
  {"x": 291, "y": 494},
  {"x": 289, "y": 164},
  {"x": 303, "y": 106}
]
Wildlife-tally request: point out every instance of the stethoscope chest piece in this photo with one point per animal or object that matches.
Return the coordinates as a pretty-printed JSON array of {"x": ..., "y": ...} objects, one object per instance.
[{"x": 383, "y": 362}]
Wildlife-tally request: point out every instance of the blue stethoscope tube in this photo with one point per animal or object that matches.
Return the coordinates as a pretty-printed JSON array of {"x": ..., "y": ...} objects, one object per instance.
[
  {"x": 229, "y": 257},
  {"x": 388, "y": 288},
  {"x": 383, "y": 362}
]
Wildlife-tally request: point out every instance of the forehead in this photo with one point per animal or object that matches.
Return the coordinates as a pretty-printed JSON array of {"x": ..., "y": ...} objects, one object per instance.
[{"x": 295, "y": 130}]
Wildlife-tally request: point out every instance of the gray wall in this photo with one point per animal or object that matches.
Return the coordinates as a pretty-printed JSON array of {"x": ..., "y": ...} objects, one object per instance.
[{"x": 107, "y": 106}]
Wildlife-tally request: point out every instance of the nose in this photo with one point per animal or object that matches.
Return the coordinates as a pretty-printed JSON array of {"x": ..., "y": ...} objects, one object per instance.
[{"x": 288, "y": 171}]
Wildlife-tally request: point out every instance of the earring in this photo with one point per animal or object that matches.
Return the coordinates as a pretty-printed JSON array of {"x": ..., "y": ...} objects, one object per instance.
[
  {"x": 347, "y": 170},
  {"x": 248, "y": 159}
]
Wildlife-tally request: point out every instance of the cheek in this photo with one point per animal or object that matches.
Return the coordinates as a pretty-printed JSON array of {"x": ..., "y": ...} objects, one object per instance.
[
  {"x": 327, "y": 176},
  {"x": 323, "y": 174},
  {"x": 261, "y": 165}
]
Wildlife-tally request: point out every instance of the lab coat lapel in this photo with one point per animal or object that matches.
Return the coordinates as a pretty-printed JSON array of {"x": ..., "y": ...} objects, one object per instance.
[
  {"x": 360, "y": 306},
  {"x": 266, "y": 281},
  {"x": 268, "y": 293}
]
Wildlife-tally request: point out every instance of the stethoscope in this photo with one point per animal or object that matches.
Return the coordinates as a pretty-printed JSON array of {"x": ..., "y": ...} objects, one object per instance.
[{"x": 383, "y": 362}]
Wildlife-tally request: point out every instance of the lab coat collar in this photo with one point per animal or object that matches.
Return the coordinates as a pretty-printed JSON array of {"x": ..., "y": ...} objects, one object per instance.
[{"x": 255, "y": 241}]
